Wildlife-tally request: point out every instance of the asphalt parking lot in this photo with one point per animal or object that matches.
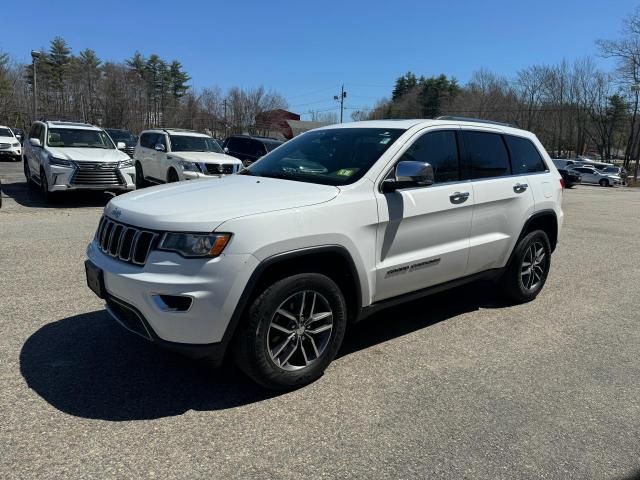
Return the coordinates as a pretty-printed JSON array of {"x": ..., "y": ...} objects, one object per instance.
[{"x": 458, "y": 385}]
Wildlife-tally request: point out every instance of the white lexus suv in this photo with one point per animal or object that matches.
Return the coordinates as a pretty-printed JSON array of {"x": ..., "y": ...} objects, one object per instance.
[
  {"x": 9, "y": 144},
  {"x": 273, "y": 263},
  {"x": 173, "y": 155},
  {"x": 63, "y": 156}
]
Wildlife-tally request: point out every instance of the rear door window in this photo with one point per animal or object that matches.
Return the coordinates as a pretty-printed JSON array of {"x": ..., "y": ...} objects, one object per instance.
[
  {"x": 486, "y": 155},
  {"x": 525, "y": 157}
]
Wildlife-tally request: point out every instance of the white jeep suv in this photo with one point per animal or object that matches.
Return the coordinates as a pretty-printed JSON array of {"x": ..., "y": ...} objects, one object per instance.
[
  {"x": 9, "y": 144},
  {"x": 172, "y": 155},
  {"x": 62, "y": 156},
  {"x": 273, "y": 263}
]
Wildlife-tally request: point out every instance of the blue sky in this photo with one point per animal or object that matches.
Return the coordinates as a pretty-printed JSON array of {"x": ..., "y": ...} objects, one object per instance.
[{"x": 306, "y": 49}]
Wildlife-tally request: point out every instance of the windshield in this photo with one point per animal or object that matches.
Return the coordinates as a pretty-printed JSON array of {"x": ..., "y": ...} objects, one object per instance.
[
  {"x": 184, "y": 143},
  {"x": 78, "y": 138},
  {"x": 5, "y": 132},
  {"x": 338, "y": 156}
]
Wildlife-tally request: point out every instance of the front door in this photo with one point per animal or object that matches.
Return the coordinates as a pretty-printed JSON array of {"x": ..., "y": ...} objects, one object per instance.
[{"x": 423, "y": 232}]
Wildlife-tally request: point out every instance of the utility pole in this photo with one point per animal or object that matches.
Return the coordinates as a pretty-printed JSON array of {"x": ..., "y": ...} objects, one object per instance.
[
  {"x": 340, "y": 99},
  {"x": 224, "y": 104},
  {"x": 35, "y": 55}
]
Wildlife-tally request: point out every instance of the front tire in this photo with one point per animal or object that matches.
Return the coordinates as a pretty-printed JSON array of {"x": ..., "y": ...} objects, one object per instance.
[
  {"x": 604, "y": 182},
  {"x": 44, "y": 187},
  {"x": 140, "y": 182},
  {"x": 172, "y": 176},
  {"x": 292, "y": 332},
  {"x": 529, "y": 268}
]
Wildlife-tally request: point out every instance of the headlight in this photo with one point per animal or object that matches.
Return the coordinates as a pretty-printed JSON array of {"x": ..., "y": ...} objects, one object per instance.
[
  {"x": 15, "y": 144},
  {"x": 189, "y": 166},
  {"x": 61, "y": 162},
  {"x": 125, "y": 163},
  {"x": 195, "y": 244}
]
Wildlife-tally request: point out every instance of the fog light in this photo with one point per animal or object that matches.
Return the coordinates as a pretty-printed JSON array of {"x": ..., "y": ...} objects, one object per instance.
[{"x": 173, "y": 303}]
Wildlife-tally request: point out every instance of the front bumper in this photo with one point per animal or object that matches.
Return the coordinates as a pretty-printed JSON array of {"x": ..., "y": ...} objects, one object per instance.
[
  {"x": 61, "y": 179},
  {"x": 15, "y": 152},
  {"x": 214, "y": 285}
]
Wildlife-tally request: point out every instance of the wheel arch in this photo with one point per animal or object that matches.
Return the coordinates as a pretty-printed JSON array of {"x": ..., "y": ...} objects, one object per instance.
[
  {"x": 335, "y": 261},
  {"x": 545, "y": 220}
]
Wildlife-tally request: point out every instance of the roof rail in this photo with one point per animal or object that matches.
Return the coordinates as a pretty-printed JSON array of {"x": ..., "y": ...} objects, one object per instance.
[
  {"x": 179, "y": 130},
  {"x": 476, "y": 120},
  {"x": 66, "y": 122}
]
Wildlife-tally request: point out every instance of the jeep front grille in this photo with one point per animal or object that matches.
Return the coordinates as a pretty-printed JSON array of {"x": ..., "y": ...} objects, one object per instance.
[
  {"x": 129, "y": 244},
  {"x": 97, "y": 174}
]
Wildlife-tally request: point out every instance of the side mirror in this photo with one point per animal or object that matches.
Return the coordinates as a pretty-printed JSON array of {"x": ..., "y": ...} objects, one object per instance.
[
  {"x": 159, "y": 147},
  {"x": 226, "y": 149},
  {"x": 410, "y": 174},
  {"x": 35, "y": 142},
  {"x": 121, "y": 145},
  {"x": 19, "y": 137}
]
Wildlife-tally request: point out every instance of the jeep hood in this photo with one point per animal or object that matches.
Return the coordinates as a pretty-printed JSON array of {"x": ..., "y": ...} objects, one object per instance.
[
  {"x": 200, "y": 206},
  {"x": 88, "y": 154}
]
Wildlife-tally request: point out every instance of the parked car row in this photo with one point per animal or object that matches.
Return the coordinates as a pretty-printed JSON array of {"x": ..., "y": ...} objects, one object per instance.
[
  {"x": 581, "y": 171},
  {"x": 63, "y": 156}
]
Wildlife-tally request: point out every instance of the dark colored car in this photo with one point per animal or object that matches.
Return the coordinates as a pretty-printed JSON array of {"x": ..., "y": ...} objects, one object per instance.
[
  {"x": 19, "y": 134},
  {"x": 248, "y": 148},
  {"x": 570, "y": 177},
  {"x": 125, "y": 136}
]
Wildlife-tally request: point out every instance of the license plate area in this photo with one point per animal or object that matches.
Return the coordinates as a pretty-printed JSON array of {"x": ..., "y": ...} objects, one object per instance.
[{"x": 95, "y": 278}]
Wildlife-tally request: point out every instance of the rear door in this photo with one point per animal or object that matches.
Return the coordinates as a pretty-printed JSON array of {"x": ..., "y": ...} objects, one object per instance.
[
  {"x": 423, "y": 232},
  {"x": 526, "y": 159},
  {"x": 503, "y": 199}
]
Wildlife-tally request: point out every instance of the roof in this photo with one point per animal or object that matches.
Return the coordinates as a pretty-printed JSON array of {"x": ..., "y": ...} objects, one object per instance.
[
  {"x": 407, "y": 124},
  {"x": 65, "y": 124},
  {"x": 177, "y": 132}
]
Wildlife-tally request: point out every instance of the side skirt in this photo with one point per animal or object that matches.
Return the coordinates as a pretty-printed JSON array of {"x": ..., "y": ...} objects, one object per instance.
[{"x": 425, "y": 292}]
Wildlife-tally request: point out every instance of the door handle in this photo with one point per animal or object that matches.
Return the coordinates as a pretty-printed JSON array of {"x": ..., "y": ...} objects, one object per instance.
[
  {"x": 458, "y": 197},
  {"x": 520, "y": 187}
]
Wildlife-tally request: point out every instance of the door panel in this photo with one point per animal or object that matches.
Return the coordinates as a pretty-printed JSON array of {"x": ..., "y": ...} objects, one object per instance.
[
  {"x": 500, "y": 210},
  {"x": 423, "y": 232},
  {"x": 422, "y": 239}
]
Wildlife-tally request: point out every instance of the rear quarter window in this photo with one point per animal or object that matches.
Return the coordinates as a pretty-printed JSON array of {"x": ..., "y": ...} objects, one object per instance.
[{"x": 525, "y": 157}]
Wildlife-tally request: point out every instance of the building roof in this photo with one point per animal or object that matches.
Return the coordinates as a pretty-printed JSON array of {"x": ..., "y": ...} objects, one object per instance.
[{"x": 301, "y": 126}]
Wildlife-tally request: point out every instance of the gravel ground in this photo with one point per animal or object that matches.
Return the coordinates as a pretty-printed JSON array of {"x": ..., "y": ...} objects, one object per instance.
[{"x": 457, "y": 385}]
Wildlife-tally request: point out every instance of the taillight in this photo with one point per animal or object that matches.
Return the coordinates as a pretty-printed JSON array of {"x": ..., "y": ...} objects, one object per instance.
[{"x": 562, "y": 183}]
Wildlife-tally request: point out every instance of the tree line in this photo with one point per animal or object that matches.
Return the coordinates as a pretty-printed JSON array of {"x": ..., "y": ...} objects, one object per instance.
[{"x": 138, "y": 93}]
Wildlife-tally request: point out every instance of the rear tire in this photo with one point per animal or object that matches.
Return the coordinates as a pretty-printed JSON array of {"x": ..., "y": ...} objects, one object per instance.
[
  {"x": 292, "y": 331},
  {"x": 529, "y": 267}
]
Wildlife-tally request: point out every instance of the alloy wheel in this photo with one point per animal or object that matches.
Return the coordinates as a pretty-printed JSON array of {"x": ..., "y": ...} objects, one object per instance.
[
  {"x": 534, "y": 264},
  {"x": 300, "y": 330}
]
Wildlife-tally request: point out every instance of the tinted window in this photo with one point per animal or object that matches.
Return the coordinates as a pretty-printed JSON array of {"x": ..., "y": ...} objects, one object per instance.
[
  {"x": 233, "y": 144},
  {"x": 184, "y": 143},
  {"x": 525, "y": 157},
  {"x": 486, "y": 155},
  {"x": 148, "y": 140},
  {"x": 5, "y": 132},
  {"x": 440, "y": 149}
]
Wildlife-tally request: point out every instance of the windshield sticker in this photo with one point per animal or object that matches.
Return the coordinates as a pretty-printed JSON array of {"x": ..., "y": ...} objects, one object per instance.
[{"x": 345, "y": 172}]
